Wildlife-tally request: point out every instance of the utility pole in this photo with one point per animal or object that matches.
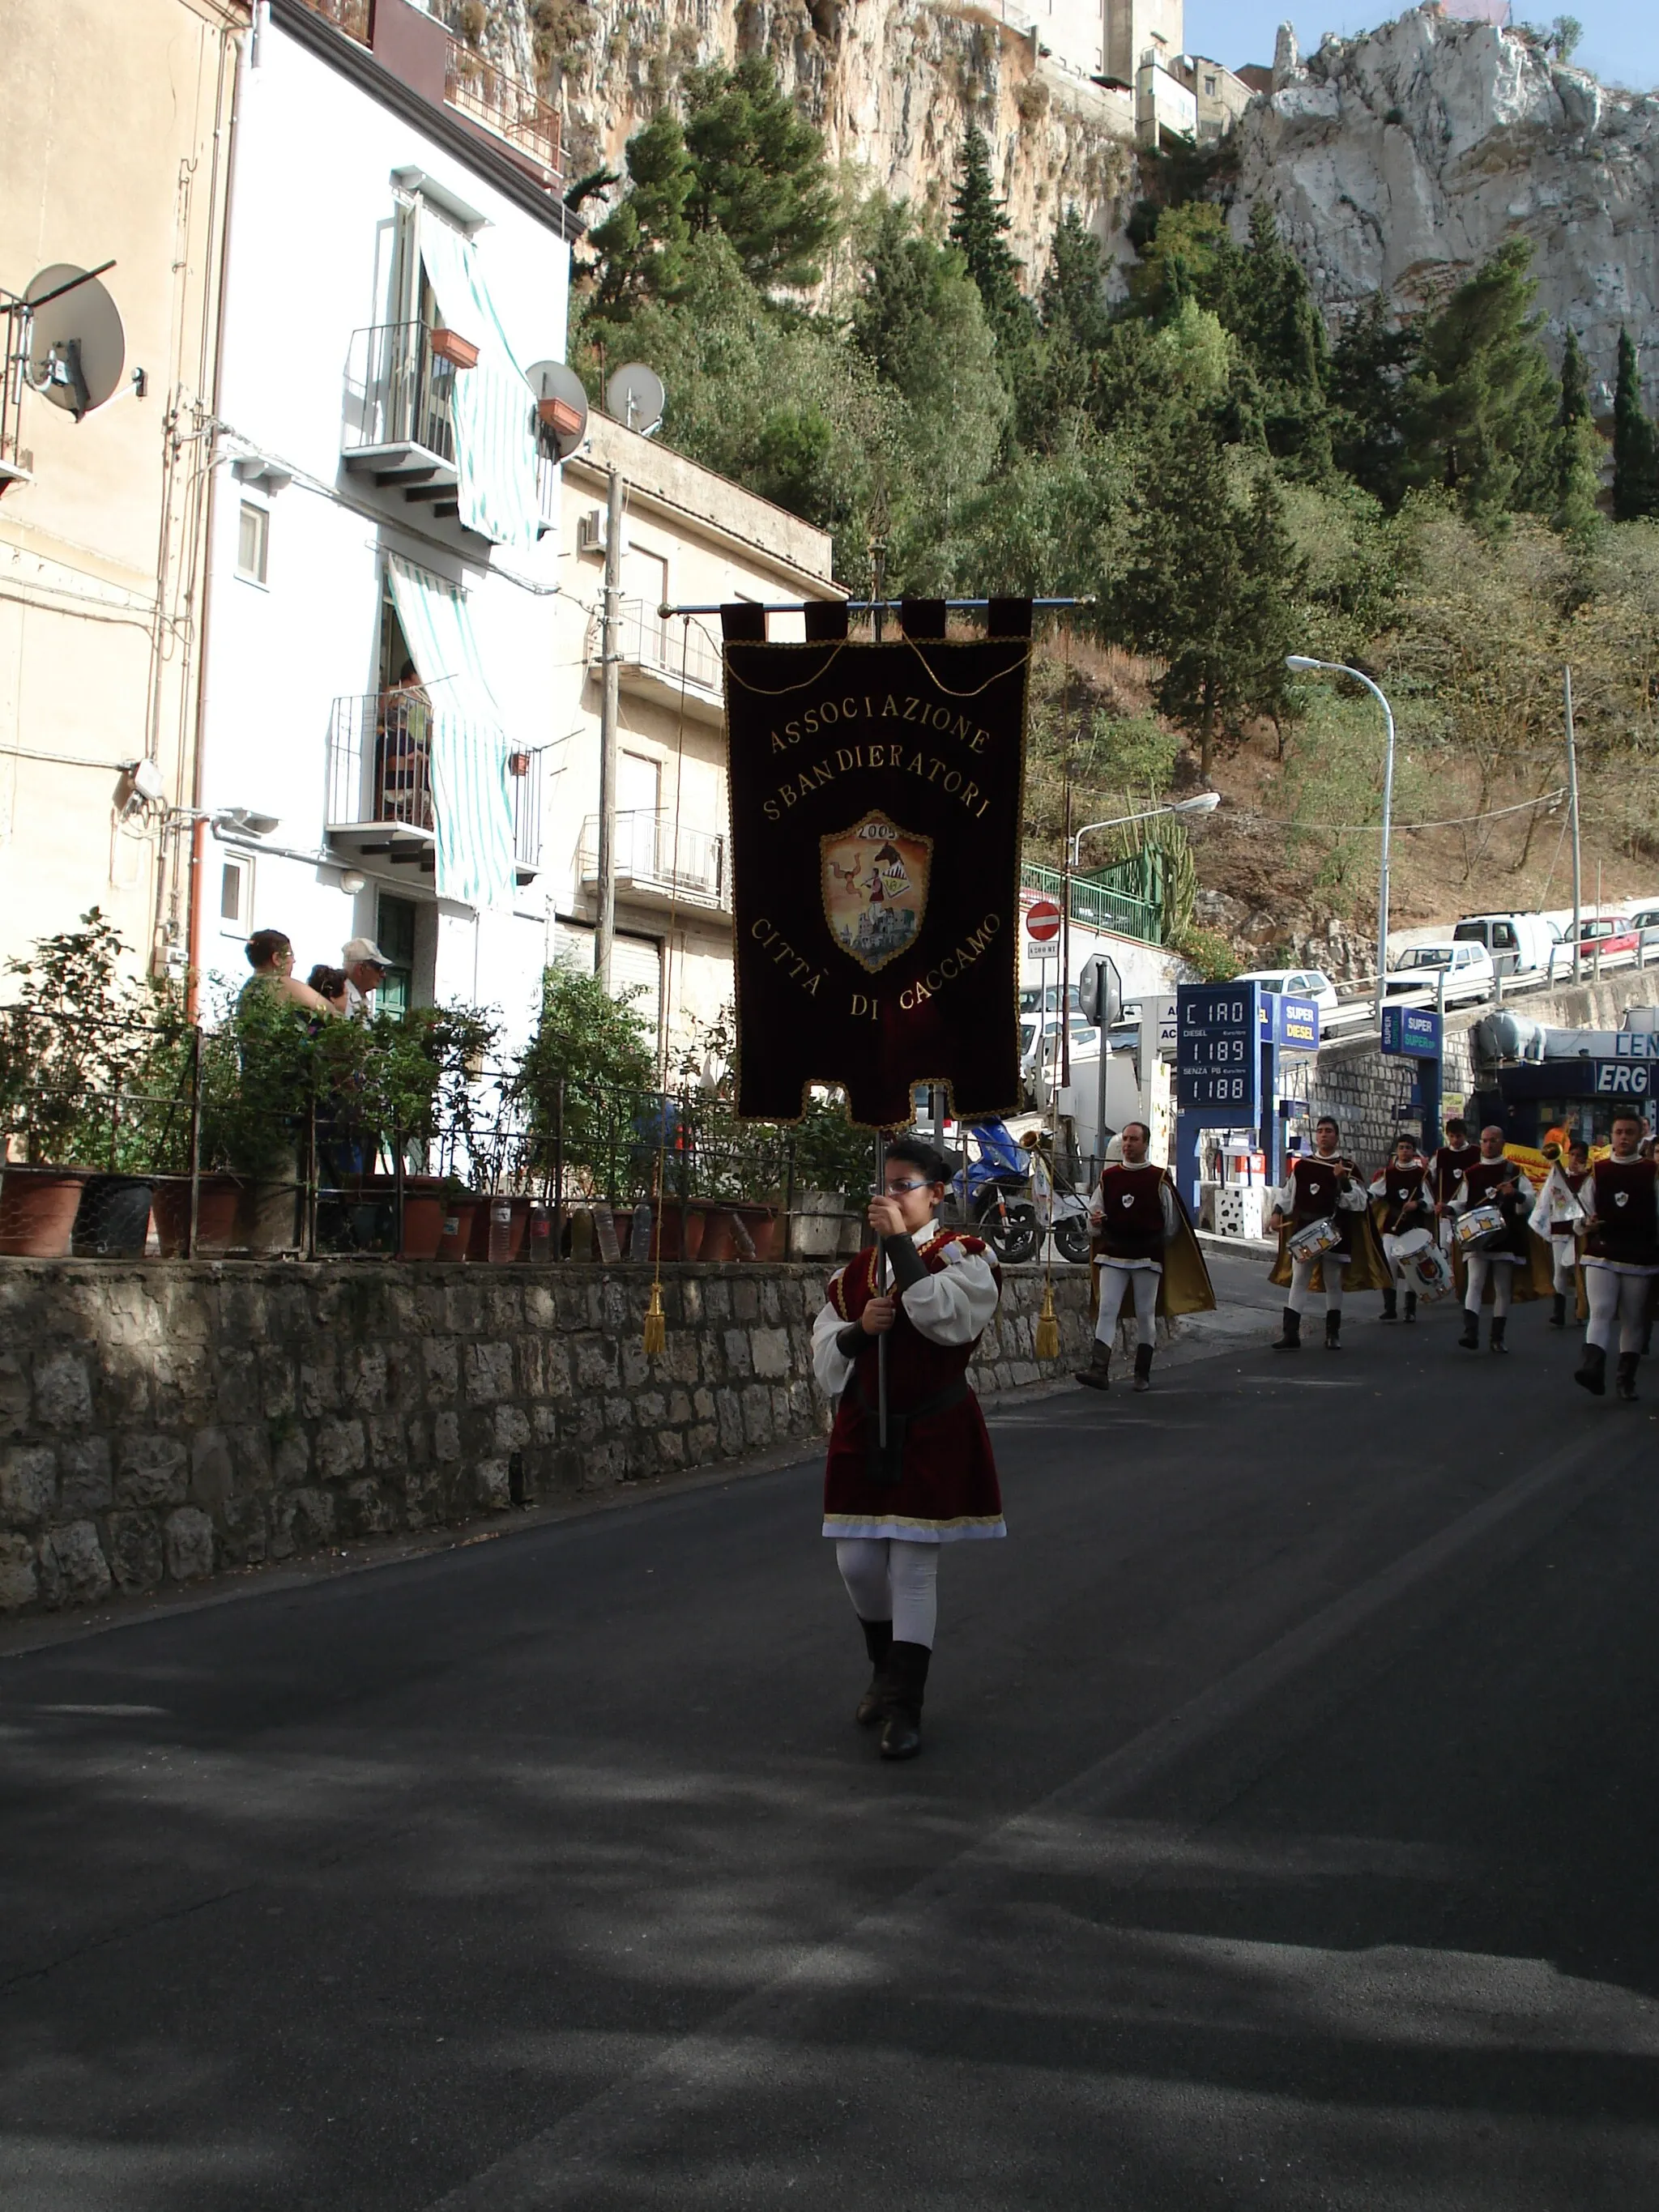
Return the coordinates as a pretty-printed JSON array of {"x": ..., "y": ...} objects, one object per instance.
[
  {"x": 604, "y": 934},
  {"x": 1572, "y": 802}
]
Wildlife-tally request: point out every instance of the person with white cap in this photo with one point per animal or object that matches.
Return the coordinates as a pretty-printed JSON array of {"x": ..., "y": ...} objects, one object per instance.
[{"x": 366, "y": 967}]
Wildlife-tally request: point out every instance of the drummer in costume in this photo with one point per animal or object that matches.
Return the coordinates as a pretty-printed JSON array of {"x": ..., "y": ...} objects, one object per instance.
[
  {"x": 1505, "y": 1261},
  {"x": 1559, "y": 1213},
  {"x": 930, "y": 1292},
  {"x": 1403, "y": 1202},
  {"x": 1144, "y": 1251},
  {"x": 1323, "y": 1193},
  {"x": 1621, "y": 1256},
  {"x": 1448, "y": 1166}
]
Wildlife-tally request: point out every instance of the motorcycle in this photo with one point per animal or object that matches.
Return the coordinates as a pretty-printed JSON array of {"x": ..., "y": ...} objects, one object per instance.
[{"x": 994, "y": 1190}]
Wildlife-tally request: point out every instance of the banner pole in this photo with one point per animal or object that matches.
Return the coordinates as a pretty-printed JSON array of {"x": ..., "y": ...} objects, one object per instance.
[{"x": 881, "y": 1292}]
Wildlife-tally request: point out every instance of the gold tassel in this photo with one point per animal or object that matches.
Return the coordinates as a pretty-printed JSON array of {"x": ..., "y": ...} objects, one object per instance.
[
  {"x": 1047, "y": 1346},
  {"x": 656, "y": 1327}
]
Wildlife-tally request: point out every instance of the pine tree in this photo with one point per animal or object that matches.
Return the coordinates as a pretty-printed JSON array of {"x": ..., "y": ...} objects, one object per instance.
[
  {"x": 1369, "y": 364},
  {"x": 641, "y": 243},
  {"x": 1635, "y": 443},
  {"x": 1073, "y": 300},
  {"x": 1577, "y": 448},
  {"x": 979, "y": 224},
  {"x": 761, "y": 176},
  {"x": 1482, "y": 411}
]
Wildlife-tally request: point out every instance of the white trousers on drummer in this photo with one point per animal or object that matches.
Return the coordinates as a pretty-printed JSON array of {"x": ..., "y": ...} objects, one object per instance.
[
  {"x": 1563, "y": 1260},
  {"x": 1615, "y": 1297},
  {"x": 1479, "y": 1266},
  {"x": 893, "y": 1581},
  {"x": 1115, "y": 1285},
  {"x": 1302, "y": 1276}
]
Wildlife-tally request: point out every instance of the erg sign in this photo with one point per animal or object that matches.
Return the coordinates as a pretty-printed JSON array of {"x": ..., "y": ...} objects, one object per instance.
[{"x": 1626, "y": 1078}]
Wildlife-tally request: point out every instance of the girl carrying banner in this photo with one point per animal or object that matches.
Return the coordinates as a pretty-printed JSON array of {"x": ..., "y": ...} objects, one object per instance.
[{"x": 929, "y": 1293}]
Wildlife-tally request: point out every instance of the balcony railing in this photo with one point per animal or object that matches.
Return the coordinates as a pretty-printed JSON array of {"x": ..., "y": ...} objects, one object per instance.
[
  {"x": 402, "y": 393},
  {"x": 654, "y": 861},
  {"x": 350, "y": 17},
  {"x": 646, "y": 640},
  {"x": 1098, "y": 901},
  {"x": 504, "y": 105},
  {"x": 380, "y": 799}
]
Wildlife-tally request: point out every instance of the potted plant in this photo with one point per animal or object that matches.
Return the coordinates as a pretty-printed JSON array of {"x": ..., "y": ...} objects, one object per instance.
[
  {"x": 451, "y": 346},
  {"x": 577, "y": 1092},
  {"x": 73, "y": 1041}
]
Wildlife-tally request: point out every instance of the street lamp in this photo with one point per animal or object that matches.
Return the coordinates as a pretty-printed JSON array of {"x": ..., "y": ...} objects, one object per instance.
[
  {"x": 1202, "y": 802},
  {"x": 1305, "y": 665}
]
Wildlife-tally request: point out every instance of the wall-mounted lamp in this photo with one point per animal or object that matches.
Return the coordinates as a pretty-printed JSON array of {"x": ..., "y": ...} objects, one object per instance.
[{"x": 351, "y": 882}]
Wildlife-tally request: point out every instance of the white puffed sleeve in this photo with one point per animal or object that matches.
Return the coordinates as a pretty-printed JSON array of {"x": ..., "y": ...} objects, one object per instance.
[
  {"x": 830, "y": 1364},
  {"x": 1380, "y": 1184},
  {"x": 953, "y": 1305},
  {"x": 1285, "y": 1197},
  {"x": 1353, "y": 1200}
]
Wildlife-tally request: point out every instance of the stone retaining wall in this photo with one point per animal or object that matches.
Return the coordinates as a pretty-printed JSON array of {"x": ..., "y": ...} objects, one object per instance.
[{"x": 163, "y": 1420}]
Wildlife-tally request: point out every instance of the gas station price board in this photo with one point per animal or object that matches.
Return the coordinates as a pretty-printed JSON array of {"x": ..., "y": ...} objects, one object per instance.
[{"x": 1218, "y": 1053}]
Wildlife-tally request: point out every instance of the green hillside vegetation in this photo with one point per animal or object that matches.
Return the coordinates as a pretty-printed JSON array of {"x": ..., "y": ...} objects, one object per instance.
[{"x": 1221, "y": 479}]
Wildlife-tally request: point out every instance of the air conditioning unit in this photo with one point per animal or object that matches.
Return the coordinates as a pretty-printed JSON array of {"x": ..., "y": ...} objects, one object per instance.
[{"x": 591, "y": 532}]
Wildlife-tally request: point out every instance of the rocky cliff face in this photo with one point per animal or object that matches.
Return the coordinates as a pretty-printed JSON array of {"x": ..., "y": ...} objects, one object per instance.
[
  {"x": 1402, "y": 158},
  {"x": 892, "y": 84}
]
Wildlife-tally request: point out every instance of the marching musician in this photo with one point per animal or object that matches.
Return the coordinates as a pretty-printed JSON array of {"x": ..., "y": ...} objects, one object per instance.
[
  {"x": 1450, "y": 1162},
  {"x": 1320, "y": 1187},
  {"x": 1142, "y": 1239},
  {"x": 1558, "y": 1214},
  {"x": 1621, "y": 1255},
  {"x": 1400, "y": 1188},
  {"x": 1489, "y": 1261},
  {"x": 928, "y": 1293}
]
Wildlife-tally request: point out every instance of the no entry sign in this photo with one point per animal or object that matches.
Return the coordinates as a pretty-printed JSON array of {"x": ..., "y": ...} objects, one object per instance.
[{"x": 1043, "y": 921}]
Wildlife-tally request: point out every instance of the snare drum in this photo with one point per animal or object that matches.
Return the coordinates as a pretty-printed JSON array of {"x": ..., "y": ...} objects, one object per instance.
[
  {"x": 1314, "y": 1239},
  {"x": 1480, "y": 1227},
  {"x": 1409, "y": 1242},
  {"x": 1427, "y": 1272}
]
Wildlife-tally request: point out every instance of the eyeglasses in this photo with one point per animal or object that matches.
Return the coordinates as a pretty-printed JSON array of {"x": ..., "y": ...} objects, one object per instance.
[{"x": 898, "y": 1189}]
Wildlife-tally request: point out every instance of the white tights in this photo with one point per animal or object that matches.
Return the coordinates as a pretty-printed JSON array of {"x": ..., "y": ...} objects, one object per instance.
[
  {"x": 1117, "y": 1283},
  {"x": 1302, "y": 1276},
  {"x": 1613, "y": 1297},
  {"x": 1563, "y": 1259},
  {"x": 1480, "y": 1265},
  {"x": 893, "y": 1581}
]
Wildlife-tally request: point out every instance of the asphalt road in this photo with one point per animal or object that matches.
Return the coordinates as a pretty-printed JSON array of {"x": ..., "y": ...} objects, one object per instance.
[{"x": 1285, "y": 1836}]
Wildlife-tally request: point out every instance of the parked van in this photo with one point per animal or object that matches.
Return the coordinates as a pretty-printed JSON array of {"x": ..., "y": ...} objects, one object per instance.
[{"x": 1520, "y": 944}]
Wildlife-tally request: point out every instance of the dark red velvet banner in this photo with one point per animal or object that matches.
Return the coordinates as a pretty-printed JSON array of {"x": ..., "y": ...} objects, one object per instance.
[{"x": 875, "y": 808}]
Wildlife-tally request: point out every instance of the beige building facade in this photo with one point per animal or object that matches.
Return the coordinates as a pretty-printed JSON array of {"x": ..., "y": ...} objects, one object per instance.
[
  {"x": 690, "y": 537},
  {"x": 115, "y": 140}
]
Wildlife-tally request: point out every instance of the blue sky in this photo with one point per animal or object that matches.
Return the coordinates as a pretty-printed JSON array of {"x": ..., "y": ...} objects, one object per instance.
[{"x": 1620, "y": 43}]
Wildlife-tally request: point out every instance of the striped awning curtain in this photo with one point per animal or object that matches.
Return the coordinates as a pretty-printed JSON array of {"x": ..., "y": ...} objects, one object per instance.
[
  {"x": 470, "y": 789},
  {"x": 494, "y": 409}
]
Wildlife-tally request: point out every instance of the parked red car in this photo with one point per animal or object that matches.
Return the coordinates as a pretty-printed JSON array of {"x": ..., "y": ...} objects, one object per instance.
[{"x": 1606, "y": 934}]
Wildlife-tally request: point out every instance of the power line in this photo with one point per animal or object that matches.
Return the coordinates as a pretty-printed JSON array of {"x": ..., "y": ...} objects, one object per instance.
[{"x": 1451, "y": 822}]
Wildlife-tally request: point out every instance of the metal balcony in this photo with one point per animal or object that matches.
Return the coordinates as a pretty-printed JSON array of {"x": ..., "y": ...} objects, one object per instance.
[
  {"x": 381, "y": 804},
  {"x": 657, "y": 868},
  {"x": 505, "y": 107},
  {"x": 649, "y": 649}
]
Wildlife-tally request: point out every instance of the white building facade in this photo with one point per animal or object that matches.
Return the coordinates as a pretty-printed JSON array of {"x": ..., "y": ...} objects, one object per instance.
[{"x": 383, "y": 614}]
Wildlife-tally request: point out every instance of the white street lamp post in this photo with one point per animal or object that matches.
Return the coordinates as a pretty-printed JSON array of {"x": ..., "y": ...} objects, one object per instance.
[
  {"x": 1202, "y": 802},
  {"x": 1303, "y": 665}
]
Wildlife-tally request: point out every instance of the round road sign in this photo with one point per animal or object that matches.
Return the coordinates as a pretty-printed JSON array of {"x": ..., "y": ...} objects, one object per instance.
[{"x": 1043, "y": 920}]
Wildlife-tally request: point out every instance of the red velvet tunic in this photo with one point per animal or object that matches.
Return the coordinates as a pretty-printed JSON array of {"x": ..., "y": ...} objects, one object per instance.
[
  {"x": 947, "y": 1487},
  {"x": 1131, "y": 1213},
  {"x": 1400, "y": 1185},
  {"x": 1625, "y": 1234},
  {"x": 1314, "y": 1195}
]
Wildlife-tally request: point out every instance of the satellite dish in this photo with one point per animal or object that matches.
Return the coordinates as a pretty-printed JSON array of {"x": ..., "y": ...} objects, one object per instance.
[
  {"x": 561, "y": 406},
  {"x": 77, "y": 348},
  {"x": 635, "y": 396}
]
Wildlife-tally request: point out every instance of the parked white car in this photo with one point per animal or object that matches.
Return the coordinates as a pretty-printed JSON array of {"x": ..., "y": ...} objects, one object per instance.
[
  {"x": 1296, "y": 983},
  {"x": 1644, "y": 920},
  {"x": 1467, "y": 966},
  {"x": 1520, "y": 944}
]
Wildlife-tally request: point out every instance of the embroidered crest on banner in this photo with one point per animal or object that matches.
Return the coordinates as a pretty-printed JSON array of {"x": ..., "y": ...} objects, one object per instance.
[{"x": 875, "y": 889}]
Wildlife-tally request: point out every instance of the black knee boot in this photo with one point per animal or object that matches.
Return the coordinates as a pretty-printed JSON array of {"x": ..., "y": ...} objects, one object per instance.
[
  {"x": 1500, "y": 1327},
  {"x": 907, "y": 1678},
  {"x": 1143, "y": 1367},
  {"x": 1626, "y": 1385},
  {"x": 1591, "y": 1372},
  {"x": 1291, "y": 1340},
  {"x": 1333, "y": 1332},
  {"x": 1390, "y": 1305},
  {"x": 1097, "y": 1375},
  {"x": 878, "y": 1642},
  {"x": 1558, "y": 1310},
  {"x": 1470, "y": 1339},
  {"x": 1411, "y": 1305}
]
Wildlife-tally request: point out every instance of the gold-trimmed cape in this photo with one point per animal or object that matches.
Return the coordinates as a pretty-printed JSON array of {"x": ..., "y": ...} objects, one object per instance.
[
  {"x": 1184, "y": 1284},
  {"x": 1536, "y": 1280}
]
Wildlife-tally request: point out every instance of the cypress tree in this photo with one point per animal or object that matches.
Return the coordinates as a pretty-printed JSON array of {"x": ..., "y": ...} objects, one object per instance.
[
  {"x": 1073, "y": 301},
  {"x": 979, "y": 224},
  {"x": 1577, "y": 458},
  {"x": 1635, "y": 443}
]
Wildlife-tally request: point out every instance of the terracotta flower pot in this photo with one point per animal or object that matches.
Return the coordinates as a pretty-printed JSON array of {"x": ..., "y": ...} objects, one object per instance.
[
  {"x": 717, "y": 1245},
  {"x": 763, "y": 1226},
  {"x": 424, "y": 1214},
  {"x": 460, "y": 1215},
  {"x": 451, "y": 346},
  {"x": 219, "y": 1197},
  {"x": 38, "y": 1207},
  {"x": 666, "y": 1239}
]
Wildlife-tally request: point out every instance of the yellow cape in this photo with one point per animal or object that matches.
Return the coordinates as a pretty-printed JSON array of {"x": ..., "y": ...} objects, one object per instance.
[
  {"x": 1184, "y": 1287},
  {"x": 1367, "y": 1269},
  {"x": 1534, "y": 1280}
]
